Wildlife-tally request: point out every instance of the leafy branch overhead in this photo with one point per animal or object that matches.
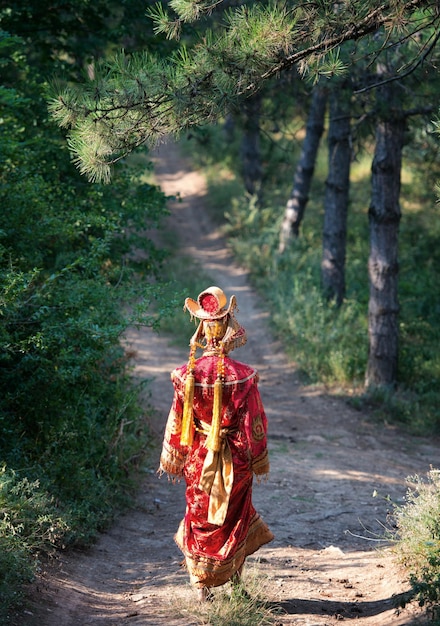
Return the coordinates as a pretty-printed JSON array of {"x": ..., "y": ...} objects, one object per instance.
[{"x": 141, "y": 98}]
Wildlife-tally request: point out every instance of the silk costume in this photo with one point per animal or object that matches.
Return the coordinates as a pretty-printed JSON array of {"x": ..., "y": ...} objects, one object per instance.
[{"x": 221, "y": 526}]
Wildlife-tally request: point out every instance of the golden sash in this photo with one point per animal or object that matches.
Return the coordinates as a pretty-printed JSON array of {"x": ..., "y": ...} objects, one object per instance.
[{"x": 217, "y": 477}]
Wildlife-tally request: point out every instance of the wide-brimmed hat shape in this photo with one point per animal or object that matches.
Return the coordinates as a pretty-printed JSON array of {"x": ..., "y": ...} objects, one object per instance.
[{"x": 210, "y": 304}]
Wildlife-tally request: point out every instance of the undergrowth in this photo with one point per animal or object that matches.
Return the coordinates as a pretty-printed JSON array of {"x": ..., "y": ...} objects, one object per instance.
[
  {"x": 417, "y": 540},
  {"x": 330, "y": 345},
  {"x": 235, "y": 606},
  {"x": 72, "y": 431}
]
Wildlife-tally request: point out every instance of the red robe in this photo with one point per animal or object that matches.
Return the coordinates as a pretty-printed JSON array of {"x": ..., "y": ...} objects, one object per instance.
[{"x": 214, "y": 553}]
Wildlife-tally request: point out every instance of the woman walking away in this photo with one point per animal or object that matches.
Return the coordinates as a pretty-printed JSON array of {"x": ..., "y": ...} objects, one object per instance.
[{"x": 215, "y": 438}]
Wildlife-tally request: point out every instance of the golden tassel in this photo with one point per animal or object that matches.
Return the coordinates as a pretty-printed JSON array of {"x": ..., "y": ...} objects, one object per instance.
[
  {"x": 213, "y": 439},
  {"x": 187, "y": 432}
]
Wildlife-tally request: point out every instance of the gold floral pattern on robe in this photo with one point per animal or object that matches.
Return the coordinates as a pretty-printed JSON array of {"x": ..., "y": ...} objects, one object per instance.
[{"x": 214, "y": 552}]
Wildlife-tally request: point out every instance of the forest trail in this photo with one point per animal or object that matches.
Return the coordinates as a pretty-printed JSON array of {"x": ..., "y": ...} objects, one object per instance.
[{"x": 327, "y": 459}]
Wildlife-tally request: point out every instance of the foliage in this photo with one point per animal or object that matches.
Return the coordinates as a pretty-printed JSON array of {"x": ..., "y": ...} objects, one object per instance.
[
  {"x": 139, "y": 98},
  {"x": 330, "y": 345},
  {"x": 71, "y": 427},
  {"x": 31, "y": 522},
  {"x": 68, "y": 38},
  {"x": 314, "y": 331},
  {"x": 417, "y": 539}
]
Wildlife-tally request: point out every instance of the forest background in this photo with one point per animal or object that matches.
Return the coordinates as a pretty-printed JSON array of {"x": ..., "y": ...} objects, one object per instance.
[{"x": 71, "y": 426}]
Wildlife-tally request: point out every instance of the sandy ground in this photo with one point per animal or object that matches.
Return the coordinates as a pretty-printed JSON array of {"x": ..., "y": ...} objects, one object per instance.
[{"x": 327, "y": 459}]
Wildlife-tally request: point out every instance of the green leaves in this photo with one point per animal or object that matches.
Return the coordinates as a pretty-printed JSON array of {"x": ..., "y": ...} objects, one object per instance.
[
  {"x": 127, "y": 104},
  {"x": 418, "y": 538},
  {"x": 163, "y": 24},
  {"x": 70, "y": 423},
  {"x": 228, "y": 55}
]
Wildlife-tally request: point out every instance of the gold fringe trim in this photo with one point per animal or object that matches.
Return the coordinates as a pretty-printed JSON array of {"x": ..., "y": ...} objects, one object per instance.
[
  {"x": 213, "y": 440},
  {"x": 187, "y": 434},
  {"x": 260, "y": 465},
  {"x": 213, "y": 572}
]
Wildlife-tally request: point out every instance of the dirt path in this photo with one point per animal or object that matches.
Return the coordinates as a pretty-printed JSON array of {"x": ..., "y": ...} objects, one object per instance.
[{"x": 326, "y": 461}]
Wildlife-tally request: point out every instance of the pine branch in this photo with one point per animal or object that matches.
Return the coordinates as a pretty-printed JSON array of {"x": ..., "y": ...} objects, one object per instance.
[
  {"x": 142, "y": 99},
  {"x": 371, "y": 23}
]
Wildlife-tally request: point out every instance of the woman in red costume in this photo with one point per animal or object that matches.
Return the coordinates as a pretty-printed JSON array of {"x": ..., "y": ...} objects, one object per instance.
[{"x": 215, "y": 438}]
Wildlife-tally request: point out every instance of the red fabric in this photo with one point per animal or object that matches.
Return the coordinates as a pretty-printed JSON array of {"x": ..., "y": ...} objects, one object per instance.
[
  {"x": 209, "y": 303},
  {"x": 215, "y": 553}
]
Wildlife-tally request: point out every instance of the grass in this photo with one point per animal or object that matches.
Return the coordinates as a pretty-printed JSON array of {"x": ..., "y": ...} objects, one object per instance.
[
  {"x": 231, "y": 606},
  {"x": 330, "y": 345},
  {"x": 417, "y": 540},
  {"x": 43, "y": 513}
]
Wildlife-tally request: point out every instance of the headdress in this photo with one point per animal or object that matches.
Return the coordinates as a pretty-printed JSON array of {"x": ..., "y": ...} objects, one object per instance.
[
  {"x": 210, "y": 304},
  {"x": 210, "y": 307}
]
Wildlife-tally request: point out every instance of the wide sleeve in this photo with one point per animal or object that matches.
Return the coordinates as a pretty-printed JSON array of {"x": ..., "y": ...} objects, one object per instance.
[
  {"x": 256, "y": 432},
  {"x": 173, "y": 455}
]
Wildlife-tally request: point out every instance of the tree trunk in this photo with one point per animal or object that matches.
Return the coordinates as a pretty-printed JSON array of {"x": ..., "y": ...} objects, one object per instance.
[
  {"x": 250, "y": 147},
  {"x": 299, "y": 196},
  {"x": 229, "y": 128},
  {"x": 384, "y": 218},
  {"x": 336, "y": 196}
]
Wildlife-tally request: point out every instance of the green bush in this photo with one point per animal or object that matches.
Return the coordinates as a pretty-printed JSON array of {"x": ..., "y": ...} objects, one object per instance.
[
  {"x": 417, "y": 540},
  {"x": 71, "y": 426}
]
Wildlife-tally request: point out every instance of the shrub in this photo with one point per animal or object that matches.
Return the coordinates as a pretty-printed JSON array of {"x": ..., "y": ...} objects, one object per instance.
[
  {"x": 71, "y": 425},
  {"x": 418, "y": 539}
]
